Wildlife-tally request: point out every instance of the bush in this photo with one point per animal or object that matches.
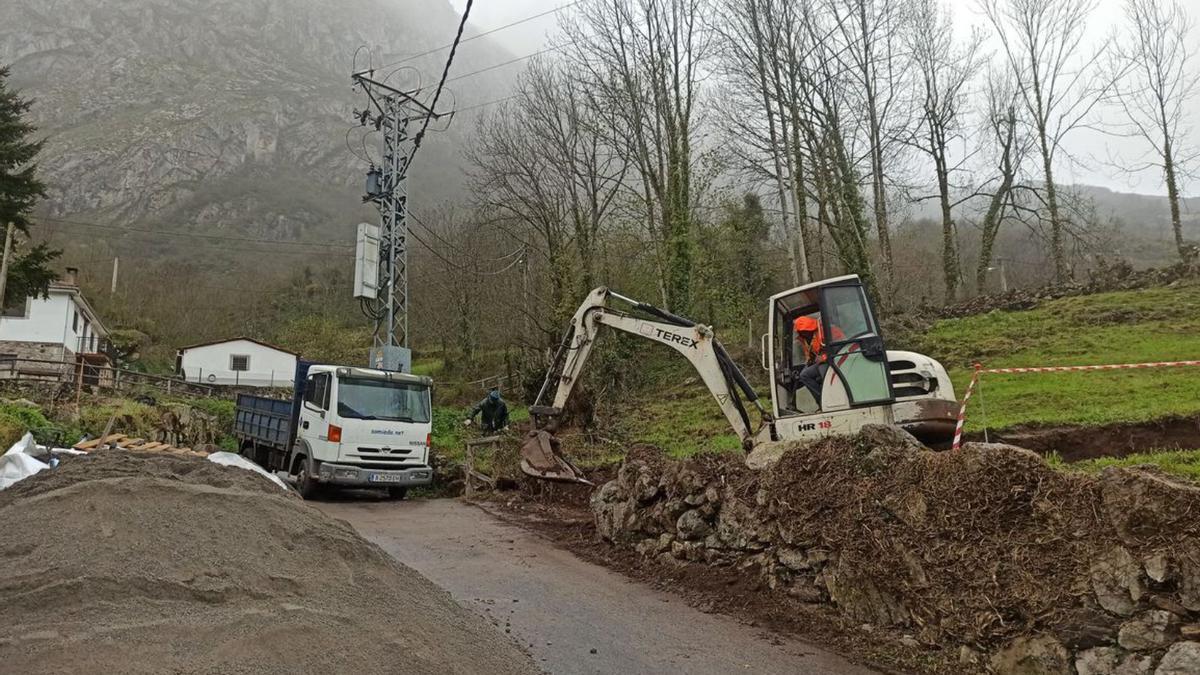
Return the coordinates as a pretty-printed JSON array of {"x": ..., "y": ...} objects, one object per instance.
[{"x": 18, "y": 418}]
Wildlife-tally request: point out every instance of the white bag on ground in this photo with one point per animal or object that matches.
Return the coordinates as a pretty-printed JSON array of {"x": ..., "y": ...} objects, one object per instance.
[
  {"x": 17, "y": 464},
  {"x": 231, "y": 459}
]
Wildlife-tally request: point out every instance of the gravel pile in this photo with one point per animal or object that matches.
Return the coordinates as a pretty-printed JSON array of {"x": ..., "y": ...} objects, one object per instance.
[{"x": 120, "y": 562}]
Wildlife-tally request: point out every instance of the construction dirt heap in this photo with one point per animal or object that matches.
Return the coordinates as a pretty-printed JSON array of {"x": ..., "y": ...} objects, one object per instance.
[
  {"x": 986, "y": 553},
  {"x": 144, "y": 563}
]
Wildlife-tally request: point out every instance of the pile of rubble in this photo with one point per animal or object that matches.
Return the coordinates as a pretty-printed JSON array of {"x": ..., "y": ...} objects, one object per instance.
[
  {"x": 1114, "y": 277},
  {"x": 987, "y": 550}
]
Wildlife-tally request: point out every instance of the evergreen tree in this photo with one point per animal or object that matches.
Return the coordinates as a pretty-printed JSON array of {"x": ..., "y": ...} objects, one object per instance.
[{"x": 29, "y": 273}]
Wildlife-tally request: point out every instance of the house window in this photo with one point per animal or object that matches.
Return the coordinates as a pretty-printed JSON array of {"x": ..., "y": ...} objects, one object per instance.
[
  {"x": 239, "y": 363},
  {"x": 19, "y": 310},
  {"x": 75, "y": 324}
]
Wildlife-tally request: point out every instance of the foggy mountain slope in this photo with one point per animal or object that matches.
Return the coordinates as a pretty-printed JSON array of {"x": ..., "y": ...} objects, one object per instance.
[{"x": 223, "y": 116}]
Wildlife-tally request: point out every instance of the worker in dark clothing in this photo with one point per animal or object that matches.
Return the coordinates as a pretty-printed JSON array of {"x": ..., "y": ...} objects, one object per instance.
[{"x": 495, "y": 412}]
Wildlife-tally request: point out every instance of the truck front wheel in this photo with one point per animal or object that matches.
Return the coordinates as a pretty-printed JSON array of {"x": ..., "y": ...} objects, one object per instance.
[{"x": 306, "y": 484}]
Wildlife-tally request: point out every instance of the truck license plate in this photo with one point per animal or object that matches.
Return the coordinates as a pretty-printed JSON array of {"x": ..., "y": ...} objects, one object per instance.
[{"x": 385, "y": 477}]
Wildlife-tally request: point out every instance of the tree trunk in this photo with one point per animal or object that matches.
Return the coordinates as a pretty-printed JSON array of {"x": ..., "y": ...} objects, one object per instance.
[
  {"x": 879, "y": 192},
  {"x": 1057, "y": 251},
  {"x": 1173, "y": 199},
  {"x": 950, "y": 269}
]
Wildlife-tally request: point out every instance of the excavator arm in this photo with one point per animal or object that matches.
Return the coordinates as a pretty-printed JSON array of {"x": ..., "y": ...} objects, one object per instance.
[{"x": 541, "y": 457}]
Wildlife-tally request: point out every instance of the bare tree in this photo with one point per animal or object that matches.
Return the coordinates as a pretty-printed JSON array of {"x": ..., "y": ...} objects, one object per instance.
[
  {"x": 871, "y": 32},
  {"x": 1056, "y": 84},
  {"x": 541, "y": 164},
  {"x": 1152, "y": 59},
  {"x": 643, "y": 60},
  {"x": 944, "y": 69},
  {"x": 1008, "y": 148}
]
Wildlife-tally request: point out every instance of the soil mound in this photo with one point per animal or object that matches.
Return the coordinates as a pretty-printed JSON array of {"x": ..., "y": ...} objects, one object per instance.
[
  {"x": 979, "y": 547},
  {"x": 131, "y": 563}
]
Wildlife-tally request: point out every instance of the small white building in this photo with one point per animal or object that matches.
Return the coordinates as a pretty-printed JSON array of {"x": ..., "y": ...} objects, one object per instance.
[
  {"x": 61, "y": 328},
  {"x": 238, "y": 361}
]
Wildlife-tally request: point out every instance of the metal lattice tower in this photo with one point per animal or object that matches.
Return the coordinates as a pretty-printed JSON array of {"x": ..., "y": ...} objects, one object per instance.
[{"x": 391, "y": 111}]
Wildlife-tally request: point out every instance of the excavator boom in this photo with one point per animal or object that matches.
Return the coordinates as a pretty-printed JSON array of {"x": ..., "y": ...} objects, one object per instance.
[{"x": 540, "y": 452}]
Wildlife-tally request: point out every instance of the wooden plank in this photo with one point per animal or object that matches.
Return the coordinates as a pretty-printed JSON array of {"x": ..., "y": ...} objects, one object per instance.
[{"x": 97, "y": 442}]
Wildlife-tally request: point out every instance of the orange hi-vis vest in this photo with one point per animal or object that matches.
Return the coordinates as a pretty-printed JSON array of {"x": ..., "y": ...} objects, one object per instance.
[{"x": 813, "y": 348}]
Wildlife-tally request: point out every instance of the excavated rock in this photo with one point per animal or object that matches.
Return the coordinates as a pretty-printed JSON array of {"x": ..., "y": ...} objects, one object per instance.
[
  {"x": 1042, "y": 655},
  {"x": 1117, "y": 581},
  {"x": 1183, "y": 658},
  {"x": 1149, "y": 631},
  {"x": 1112, "y": 661}
]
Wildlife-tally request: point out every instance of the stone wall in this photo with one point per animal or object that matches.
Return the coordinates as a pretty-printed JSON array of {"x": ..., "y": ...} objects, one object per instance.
[
  {"x": 45, "y": 351},
  {"x": 988, "y": 552}
]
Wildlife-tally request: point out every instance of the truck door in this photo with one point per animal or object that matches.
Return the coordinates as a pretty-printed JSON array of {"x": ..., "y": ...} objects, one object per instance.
[
  {"x": 314, "y": 410},
  {"x": 855, "y": 349}
]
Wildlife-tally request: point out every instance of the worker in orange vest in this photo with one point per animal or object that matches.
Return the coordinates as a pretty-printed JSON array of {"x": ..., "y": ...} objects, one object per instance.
[{"x": 812, "y": 341}]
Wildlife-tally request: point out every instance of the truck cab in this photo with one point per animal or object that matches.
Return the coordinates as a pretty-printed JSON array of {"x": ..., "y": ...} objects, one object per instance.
[{"x": 361, "y": 427}]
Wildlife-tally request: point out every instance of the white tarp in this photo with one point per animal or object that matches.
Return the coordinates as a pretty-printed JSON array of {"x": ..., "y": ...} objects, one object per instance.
[
  {"x": 232, "y": 459},
  {"x": 17, "y": 464}
]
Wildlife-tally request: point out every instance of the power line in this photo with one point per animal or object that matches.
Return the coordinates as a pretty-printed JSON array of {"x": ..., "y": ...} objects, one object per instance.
[
  {"x": 480, "y": 35},
  {"x": 509, "y": 62},
  {"x": 437, "y": 94}
]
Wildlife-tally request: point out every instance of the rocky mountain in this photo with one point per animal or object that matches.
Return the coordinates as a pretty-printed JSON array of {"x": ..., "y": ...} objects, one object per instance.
[{"x": 223, "y": 115}]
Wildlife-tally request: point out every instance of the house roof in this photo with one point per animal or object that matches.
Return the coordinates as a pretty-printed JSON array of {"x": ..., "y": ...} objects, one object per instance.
[{"x": 238, "y": 339}]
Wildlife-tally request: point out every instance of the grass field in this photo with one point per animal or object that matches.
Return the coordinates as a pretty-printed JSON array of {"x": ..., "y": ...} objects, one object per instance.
[
  {"x": 1185, "y": 463},
  {"x": 1161, "y": 324}
]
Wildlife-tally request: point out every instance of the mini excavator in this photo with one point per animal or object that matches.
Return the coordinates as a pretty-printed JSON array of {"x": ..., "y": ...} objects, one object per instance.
[{"x": 864, "y": 383}]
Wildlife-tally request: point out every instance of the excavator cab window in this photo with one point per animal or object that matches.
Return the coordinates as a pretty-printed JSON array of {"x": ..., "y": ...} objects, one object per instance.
[{"x": 855, "y": 348}]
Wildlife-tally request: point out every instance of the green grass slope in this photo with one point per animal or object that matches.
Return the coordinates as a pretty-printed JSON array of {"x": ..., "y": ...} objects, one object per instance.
[{"x": 1159, "y": 324}]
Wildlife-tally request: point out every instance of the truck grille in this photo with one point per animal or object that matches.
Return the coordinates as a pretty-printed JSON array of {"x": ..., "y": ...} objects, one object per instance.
[
  {"x": 399, "y": 452},
  {"x": 355, "y": 462}
]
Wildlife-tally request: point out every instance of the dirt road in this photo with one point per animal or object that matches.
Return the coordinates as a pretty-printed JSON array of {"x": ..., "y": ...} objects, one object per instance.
[{"x": 573, "y": 616}]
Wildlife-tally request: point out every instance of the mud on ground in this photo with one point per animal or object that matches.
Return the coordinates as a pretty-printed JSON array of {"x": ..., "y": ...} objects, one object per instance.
[
  {"x": 144, "y": 563},
  {"x": 1078, "y": 443}
]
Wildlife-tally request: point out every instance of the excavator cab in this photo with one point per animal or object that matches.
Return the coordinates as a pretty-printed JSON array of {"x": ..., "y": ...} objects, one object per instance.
[{"x": 857, "y": 387}]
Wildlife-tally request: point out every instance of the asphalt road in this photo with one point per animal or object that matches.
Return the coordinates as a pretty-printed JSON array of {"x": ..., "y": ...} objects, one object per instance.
[{"x": 572, "y": 616}]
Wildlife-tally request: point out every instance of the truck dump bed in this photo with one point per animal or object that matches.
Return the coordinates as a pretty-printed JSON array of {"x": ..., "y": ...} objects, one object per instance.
[{"x": 268, "y": 421}]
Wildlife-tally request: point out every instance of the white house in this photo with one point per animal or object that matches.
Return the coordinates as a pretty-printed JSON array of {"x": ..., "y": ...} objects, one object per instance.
[
  {"x": 62, "y": 327},
  {"x": 237, "y": 361}
]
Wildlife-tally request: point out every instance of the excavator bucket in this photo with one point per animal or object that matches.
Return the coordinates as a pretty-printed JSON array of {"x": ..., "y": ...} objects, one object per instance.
[{"x": 541, "y": 457}]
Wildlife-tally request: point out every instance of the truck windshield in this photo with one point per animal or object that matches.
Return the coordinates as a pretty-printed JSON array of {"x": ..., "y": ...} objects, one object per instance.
[{"x": 382, "y": 400}]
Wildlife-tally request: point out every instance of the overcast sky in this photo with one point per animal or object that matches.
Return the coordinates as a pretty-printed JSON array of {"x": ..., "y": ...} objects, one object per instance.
[{"x": 1092, "y": 148}]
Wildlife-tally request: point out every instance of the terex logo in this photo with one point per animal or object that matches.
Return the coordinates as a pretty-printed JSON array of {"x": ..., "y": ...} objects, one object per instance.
[{"x": 667, "y": 336}]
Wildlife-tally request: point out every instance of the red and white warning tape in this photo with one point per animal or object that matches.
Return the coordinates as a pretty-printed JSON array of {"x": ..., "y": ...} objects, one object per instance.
[
  {"x": 979, "y": 370},
  {"x": 962, "y": 409}
]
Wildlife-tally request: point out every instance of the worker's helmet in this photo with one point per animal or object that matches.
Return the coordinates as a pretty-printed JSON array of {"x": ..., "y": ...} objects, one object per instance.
[
  {"x": 494, "y": 394},
  {"x": 806, "y": 324}
]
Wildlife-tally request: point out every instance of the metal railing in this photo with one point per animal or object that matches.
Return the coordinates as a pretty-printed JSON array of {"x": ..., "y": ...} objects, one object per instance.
[
  {"x": 97, "y": 345},
  {"x": 83, "y": 374}
]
